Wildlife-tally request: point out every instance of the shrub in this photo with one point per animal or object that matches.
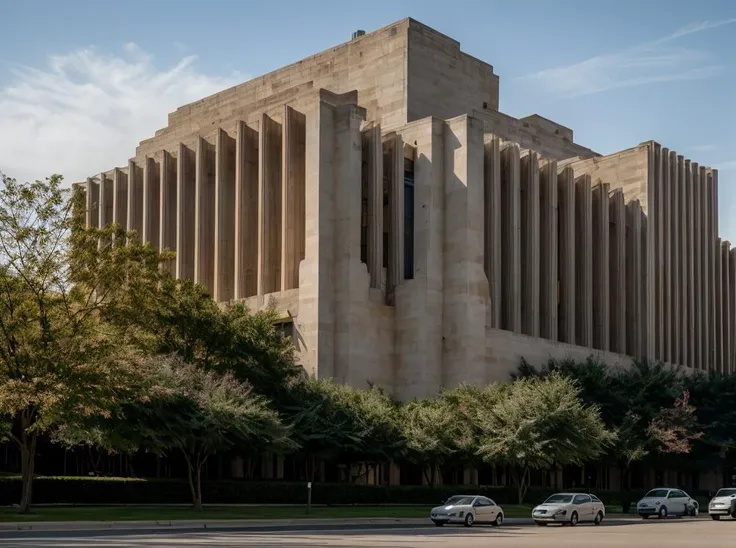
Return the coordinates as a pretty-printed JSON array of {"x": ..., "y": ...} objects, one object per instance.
[{"x": 84, "y": 490}]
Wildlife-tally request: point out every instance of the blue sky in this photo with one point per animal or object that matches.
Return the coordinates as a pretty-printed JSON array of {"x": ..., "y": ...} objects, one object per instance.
[{"x": 82, "y": 81}]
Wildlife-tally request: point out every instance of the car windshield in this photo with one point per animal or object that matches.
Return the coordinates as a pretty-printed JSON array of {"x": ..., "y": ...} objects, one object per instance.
[
  {"x": 726, "y": 492},
  {"x": 459, "y": 501},
  {"x": 657, "y": 494},
  {"x": 559, "y": 499}
]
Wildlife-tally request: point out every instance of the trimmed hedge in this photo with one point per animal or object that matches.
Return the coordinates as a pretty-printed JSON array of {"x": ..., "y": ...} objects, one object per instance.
[{"x": 82, "y": 490}]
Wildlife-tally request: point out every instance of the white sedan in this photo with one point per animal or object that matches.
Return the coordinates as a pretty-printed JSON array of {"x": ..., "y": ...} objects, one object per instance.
[
  {"x": 571, "y": 508},
  {"x": 467, "y": 510},
  {"x": 665, "y": 501},
  {"x": 723, "y": 504}
]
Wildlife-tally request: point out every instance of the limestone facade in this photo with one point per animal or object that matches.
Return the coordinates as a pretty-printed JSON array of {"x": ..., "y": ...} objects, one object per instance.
[{"x": 414, "y": 237}]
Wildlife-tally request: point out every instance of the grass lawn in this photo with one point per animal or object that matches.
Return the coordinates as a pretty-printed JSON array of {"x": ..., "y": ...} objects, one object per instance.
[{"x": 166, "y": 513}]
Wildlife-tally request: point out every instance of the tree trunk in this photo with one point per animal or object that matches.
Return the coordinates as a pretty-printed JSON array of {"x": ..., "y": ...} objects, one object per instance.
[
  {"x": 519, "y": 476},
  {"x": 28, "y": 460},
  {"x": 194, "y": 482}
]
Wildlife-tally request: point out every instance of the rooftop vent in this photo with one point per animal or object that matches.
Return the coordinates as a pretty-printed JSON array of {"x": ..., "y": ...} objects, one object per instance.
[{"x": 358, "y": 34}]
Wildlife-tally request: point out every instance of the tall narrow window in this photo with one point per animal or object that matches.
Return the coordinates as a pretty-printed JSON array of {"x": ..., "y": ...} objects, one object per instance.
[{"x": 408, "y": 219}]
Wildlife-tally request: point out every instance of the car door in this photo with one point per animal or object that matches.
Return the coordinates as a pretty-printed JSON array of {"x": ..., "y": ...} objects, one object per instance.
[
  {"x": 683, "y": 498},
  {"x": 493, "y": 510},
  {"x": 482, "y": 509},
  {"x": 675, "y": 502},
  {"x": 582, "y": 505},
  {"x": 596, "y": 505}
]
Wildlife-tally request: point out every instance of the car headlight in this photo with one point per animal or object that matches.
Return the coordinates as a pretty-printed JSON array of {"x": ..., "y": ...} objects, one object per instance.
[{"x": 560, "y": 513}]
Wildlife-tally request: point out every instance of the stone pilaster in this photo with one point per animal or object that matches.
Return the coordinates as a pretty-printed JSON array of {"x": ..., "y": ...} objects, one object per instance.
[
  {"x": 618, "y": 272},
  {"x": 530, "y": 244},
  {"x": 492, "y": 227},
  {"x": 151, "y": 191},
  {"x": 135, "y": 198},
  {"x": 660, "y": 163},
  {"x": 511, "y": 237},
  {"x": 246, "y": 211},
  {"x": 697, "y": 268},
  {"x": 106, "y": 195},
  {"x": 292, "y": 197},
  {"x": 727, "y": 300},
  {"x": 204, "y": 214},
  {"x": 185, "y": 211},
  {"x": 120, "y": 198},
  {"x": 269, "y": 206},
  {"x": 667, "y": 247},
  {"x": 675, "y": 264},
  {"x": 373, "y": 180},
  {"x": 394, "y": 168},
  {"x": 689, "y": 227},
  {"x": 549, "y": 251},
  {"x": 584, "y": 260},
  {"x": 566, "y": 182},
  {"x": 92, "y": 205},
  {"x": 634, "y": 305},
  {"x": 601, "y": 270},
  {"x": 224, "y": 256},
  {"x": 466, "y": 293}
]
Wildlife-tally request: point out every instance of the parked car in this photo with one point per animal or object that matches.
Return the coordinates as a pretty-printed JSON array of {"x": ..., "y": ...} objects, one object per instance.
[
  {"x": 467, "y": 510},
  {"x": 666, "y": 501},
  {"x": 571, "y": 508},
  {"x": 723, "y": 503}
]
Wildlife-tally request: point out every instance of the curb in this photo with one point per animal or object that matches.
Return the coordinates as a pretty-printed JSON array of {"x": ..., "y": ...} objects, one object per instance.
[{"x": 205, "y": 524}]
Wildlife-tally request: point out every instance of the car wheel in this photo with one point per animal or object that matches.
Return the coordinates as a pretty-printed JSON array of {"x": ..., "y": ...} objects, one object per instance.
[
  {"x": 498, "y": 521},
  {"x": 541, "y": 523},
  {"x": 438, "y": 523},
  {"x": 662, "y": 512},
  {"x": 598, "y": 518},
  {"x": 715, "y": 517},
  {"x": 733, "y": 513},
  {"x": 469, "y": 519},
  {"x": 574, "y": 519}
]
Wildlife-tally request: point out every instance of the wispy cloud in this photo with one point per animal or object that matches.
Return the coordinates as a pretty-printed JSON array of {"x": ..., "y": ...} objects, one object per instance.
[
  {"x": 86, "y": 111},
  {"x": 647, "y": 63},
  {"x": 703, "y": 148}
]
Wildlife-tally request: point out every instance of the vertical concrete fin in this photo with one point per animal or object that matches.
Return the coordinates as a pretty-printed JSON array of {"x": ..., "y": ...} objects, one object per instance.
[
  {"x": 634, "y": 305},
  {"x": 658, "y": 225},
  {"x": 618, "y": 272},
  {"x": 92, "y": 197},
  {"x": 567, "y": 262},
  {"x": 224, "y": 216},
  {"x": 292, "y": 197},
  {"x": 667, "y": 246},
  {"x": 698, "y": 356},
  {"x": 204, "y": 210},
  {"x": 135, "y": 198},
  {"x": 549, "y": 250},
  {"x": 185, "y": 211},
  {"x": 492, "y": 224},
  {"x": 269, "y": 206},
  {"x": 394, "y": 168},
  {"x": 246, "y": 211},
  {"x": 601, "y": 269},
  {"x": 151, "y": 182},
  {"x": 511, "y": 237},
  {"x": 120, "y": 198},
  {"x": 373, "y": 189},
  {"x": 675, "y": 265},
  {"x": 708, "y": 346},
  {"x": 105, "y": 209},
  {"x": 682, "y": 261},
  {"x": 530, "y": 243},
  {"x": 689, "y": 227},
  {"x": 726, "y": 299},
  {"x": 731, "y": 365},
  {"x": 584, "y": 260},
  {"x": 167, "y": 206}
]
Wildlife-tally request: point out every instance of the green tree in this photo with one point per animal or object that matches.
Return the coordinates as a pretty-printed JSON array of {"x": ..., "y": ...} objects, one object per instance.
[
  {"x": 428, "y": 427},
  {"x": 186, "y": 409},
  {"x": 540, "y": 422},
  {"x": 57, "y": 359}
]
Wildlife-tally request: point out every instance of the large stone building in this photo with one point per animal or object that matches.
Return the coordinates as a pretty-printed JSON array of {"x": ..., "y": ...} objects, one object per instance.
[{"x": 414, "y": 236}]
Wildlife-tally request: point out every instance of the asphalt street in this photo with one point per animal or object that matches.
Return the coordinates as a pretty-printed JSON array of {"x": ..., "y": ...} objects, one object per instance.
[{"x": 614, "y": 534}]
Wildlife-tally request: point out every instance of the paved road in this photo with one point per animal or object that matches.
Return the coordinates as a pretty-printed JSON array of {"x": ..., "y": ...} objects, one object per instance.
[{"x": 623, "y": 534}]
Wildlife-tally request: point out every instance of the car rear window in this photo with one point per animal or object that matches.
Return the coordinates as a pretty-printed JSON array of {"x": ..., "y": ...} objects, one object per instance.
[
  {"x": 657, "y": 493},
  {"x": 726, "y": 492}
]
